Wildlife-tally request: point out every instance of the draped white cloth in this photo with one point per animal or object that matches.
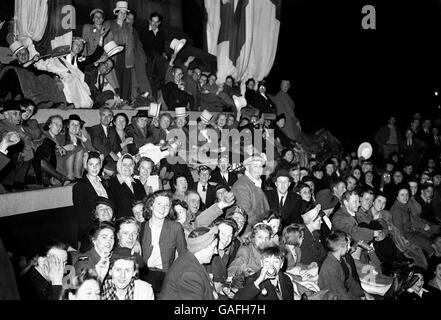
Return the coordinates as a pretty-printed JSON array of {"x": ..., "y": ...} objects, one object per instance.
[
  {"x": 31, "y": 17},
  {"x": 258, "y": 53}
]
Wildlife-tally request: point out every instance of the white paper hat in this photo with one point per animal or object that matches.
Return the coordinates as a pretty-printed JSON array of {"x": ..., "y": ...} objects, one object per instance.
[
  {"x": 154, "y": 109},
  {"x": 121, "y": 5},
  {"x": 176, "y": 45},
  {"x": 365, "y": 150},
  {"x": 240, "y": 102},
  {"x": 206, "y": 116},
  {"x": 181, "y": 112},
  {"x": 111, "y": 48},
  {"x": 15, "y": 47}
]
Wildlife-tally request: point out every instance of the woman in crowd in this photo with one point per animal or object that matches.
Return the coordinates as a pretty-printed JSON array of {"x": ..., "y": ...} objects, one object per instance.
[
  {"x": 120, "y": 122},
  {"x": 273, "y": 219},
  {"x": 409, "y": 249},
  {"x": 46, "y": 153},
  {"x": 138, "y": 211},
  {"x": 122, "y": 282},
  {"x": 160, "y": 238},
  {"x": 247, "y": 259},
  {"x": 287, "y": 160},
  {"x": 102, "y": 212},
  {"x": 179, "y": 214},
  {"x": 85, "y": 192},
  {"x": 179, "y": 187},
  {"x": 77, "y": 141},
  {"x": 391, "y": 189},
  {"x": 44, "y": 279},
  {"x": 262, "y": 101},
  {"x": 402, "y": 219},
  {"x": 127, "y": 234},
  {"x": 160, "y": 133},
  {"x": 98, "y": 257},
  {"x": 123, "y": 189},
  {"x": 85, "y": 286},
  {"x": 122, "y": 34},
  {"x": 357, "y": 173},
  {"x": 369, "y": 181},
  {"x": 304, "y": 191},
  {"x": 151, "y": 183},
  {"x": 250, "y": 93}
]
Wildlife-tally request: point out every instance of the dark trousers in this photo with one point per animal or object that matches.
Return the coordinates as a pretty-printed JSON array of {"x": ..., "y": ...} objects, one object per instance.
[
  {"x": 124, "y": 76},
  {"x": 156, "y": 69}
]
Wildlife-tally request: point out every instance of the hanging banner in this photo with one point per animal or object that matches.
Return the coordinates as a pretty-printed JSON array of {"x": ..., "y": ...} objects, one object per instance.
[{"x": 57, "y": 38}]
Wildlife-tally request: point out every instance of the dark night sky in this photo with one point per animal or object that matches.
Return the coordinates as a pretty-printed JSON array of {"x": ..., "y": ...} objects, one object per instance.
[{"x": 348, "y": 79}]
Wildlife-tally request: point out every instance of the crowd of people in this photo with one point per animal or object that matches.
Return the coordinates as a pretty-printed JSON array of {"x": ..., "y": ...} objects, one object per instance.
[{"x": 155, "y": 224}]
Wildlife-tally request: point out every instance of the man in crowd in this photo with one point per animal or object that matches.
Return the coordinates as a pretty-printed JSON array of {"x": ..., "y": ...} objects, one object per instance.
[
  {"x": 206, "y": 191},
  {"x": 287, "y": 203},
  {"x": 248, "y": 191},
  {"x": 344, "y": 219},
  {"x": 104, "y": 137},
  {"x": 21, "y": 155},
  {"x": 153, "y": 41},
  {"x": 388, "y": 138}
]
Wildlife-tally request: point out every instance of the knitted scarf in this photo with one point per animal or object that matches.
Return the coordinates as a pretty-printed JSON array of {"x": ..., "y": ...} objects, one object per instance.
[{"x": 109, "y": 290}]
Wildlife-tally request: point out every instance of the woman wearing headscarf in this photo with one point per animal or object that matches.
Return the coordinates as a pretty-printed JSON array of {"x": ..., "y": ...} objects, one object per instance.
[{"x": 123, "y": 189}]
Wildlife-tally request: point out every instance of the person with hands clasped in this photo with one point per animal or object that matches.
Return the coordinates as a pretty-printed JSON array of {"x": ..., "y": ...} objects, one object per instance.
[{"x": 269, "y": 283}]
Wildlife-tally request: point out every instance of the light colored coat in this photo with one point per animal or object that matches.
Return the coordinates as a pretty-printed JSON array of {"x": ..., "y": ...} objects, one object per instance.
[{"x": 251, "y": 199}]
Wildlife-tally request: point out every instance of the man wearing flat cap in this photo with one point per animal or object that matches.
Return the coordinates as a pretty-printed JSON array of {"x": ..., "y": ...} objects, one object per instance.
[
  {"x": 287, "y": 203},
  {"x": 248, "y": 190},
  {"x": 187, "y": 278}
]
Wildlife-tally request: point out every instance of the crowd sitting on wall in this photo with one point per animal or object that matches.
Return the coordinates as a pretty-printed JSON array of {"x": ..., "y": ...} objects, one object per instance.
[{"x": 155, "y": 224}]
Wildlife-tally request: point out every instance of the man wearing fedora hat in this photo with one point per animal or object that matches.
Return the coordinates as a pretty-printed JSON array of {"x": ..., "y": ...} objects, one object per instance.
[
  {"x": 248, "y": 191},
  {"x": 187, "y": 278},
  {"x": 286, "y": 202}
]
